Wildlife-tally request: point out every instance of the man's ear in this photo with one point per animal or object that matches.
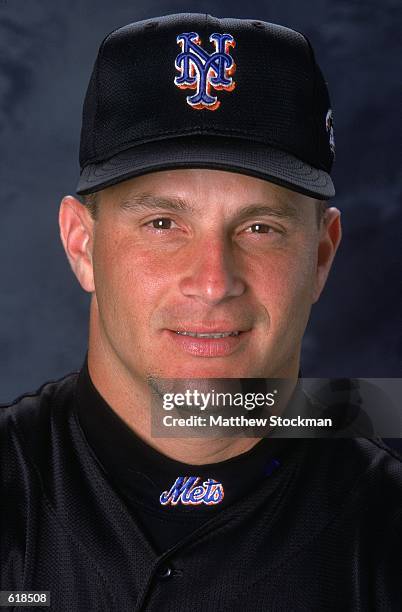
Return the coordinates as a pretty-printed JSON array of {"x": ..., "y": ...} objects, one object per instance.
[
  {"x": 329, "y": 239},
  {"x": 76, "y": 232}
]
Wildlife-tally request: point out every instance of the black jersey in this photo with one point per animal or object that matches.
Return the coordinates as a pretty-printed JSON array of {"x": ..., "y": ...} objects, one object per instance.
[{"x": 323, "y": 531}]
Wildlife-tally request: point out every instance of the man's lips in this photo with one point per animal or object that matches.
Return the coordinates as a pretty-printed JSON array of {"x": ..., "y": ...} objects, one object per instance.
[{"x": 200, "y": 342}]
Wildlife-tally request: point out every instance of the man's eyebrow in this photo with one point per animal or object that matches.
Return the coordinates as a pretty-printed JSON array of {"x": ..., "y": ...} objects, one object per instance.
[
  {"x": 284, "y": 210},
  {"x": 145, "y": 202}
]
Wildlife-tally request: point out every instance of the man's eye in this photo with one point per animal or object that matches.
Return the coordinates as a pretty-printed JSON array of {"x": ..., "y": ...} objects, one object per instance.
[
  {"x": 163, "y": 223},
  {"x": 259, "y": 228}
]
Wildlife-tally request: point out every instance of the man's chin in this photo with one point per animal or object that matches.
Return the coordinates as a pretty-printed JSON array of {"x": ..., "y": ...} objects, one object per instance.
[{"x": 211, "y": 370}]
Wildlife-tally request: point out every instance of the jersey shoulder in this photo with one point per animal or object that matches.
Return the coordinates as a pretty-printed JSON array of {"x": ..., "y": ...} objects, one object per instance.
[
  {"x": 26, "y": 423},
  {"x": 386, "y": 462},
  {"x": 30, "y": 430}
]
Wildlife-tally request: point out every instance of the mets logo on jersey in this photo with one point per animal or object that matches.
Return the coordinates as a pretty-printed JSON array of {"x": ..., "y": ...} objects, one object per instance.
[
  {"x": 187, "y": 490},
  {"x": 203, "y": 71}
]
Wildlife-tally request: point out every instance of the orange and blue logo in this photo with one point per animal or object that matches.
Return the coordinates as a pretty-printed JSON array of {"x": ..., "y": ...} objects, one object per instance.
[{"x": 205, "y": 71}]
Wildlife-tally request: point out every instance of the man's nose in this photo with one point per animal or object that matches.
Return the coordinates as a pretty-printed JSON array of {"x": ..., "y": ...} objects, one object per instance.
[{"x": 212, "y": 275}]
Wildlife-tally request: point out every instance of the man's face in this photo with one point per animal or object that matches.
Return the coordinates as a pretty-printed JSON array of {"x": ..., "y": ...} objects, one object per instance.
[{"x": 181, "y": 257}]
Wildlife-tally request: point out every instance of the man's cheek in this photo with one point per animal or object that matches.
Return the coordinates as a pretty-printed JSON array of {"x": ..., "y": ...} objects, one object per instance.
[
  {"x": 133, "y": 292},
  {"x": 287, "y": 293},
  {"x": 144, "y": 281},
  {"x": 277, "y": 278}
]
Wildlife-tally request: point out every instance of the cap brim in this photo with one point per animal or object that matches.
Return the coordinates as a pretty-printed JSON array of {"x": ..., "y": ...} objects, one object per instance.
[{"x": 230, "y": 154}]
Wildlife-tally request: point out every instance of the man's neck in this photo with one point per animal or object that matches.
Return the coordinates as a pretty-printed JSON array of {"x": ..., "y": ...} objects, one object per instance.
[
  {"x": 133, "y": 407},
  {"x": 131, "y": 401}
]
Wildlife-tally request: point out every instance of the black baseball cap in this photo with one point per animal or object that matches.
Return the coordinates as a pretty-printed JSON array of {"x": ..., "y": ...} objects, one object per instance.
[{"x": 194, "y": 91}]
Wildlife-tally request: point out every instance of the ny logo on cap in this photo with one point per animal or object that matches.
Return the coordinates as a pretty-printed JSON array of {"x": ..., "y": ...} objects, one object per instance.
[{"x": 201, "y": 70}]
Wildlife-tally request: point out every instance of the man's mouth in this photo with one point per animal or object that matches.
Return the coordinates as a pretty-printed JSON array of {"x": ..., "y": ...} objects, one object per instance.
[
  {"x": 216, "y": 341},
  {"x": 207, "y": 335}
]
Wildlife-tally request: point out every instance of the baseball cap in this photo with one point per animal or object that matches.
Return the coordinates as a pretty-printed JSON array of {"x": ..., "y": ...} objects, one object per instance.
[{"x": 193, "y": 91}]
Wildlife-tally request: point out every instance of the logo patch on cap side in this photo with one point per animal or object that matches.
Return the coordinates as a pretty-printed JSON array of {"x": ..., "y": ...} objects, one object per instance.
[
  {"x": 329, "y": 125},
  {"x": 202, "y": 71}
]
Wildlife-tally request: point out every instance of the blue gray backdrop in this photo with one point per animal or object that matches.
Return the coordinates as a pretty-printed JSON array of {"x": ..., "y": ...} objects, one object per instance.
[{"x": 47, "y": 52}]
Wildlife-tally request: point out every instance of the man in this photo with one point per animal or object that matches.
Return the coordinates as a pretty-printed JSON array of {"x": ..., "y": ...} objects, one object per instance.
[{"x": 206, "y": 152}]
